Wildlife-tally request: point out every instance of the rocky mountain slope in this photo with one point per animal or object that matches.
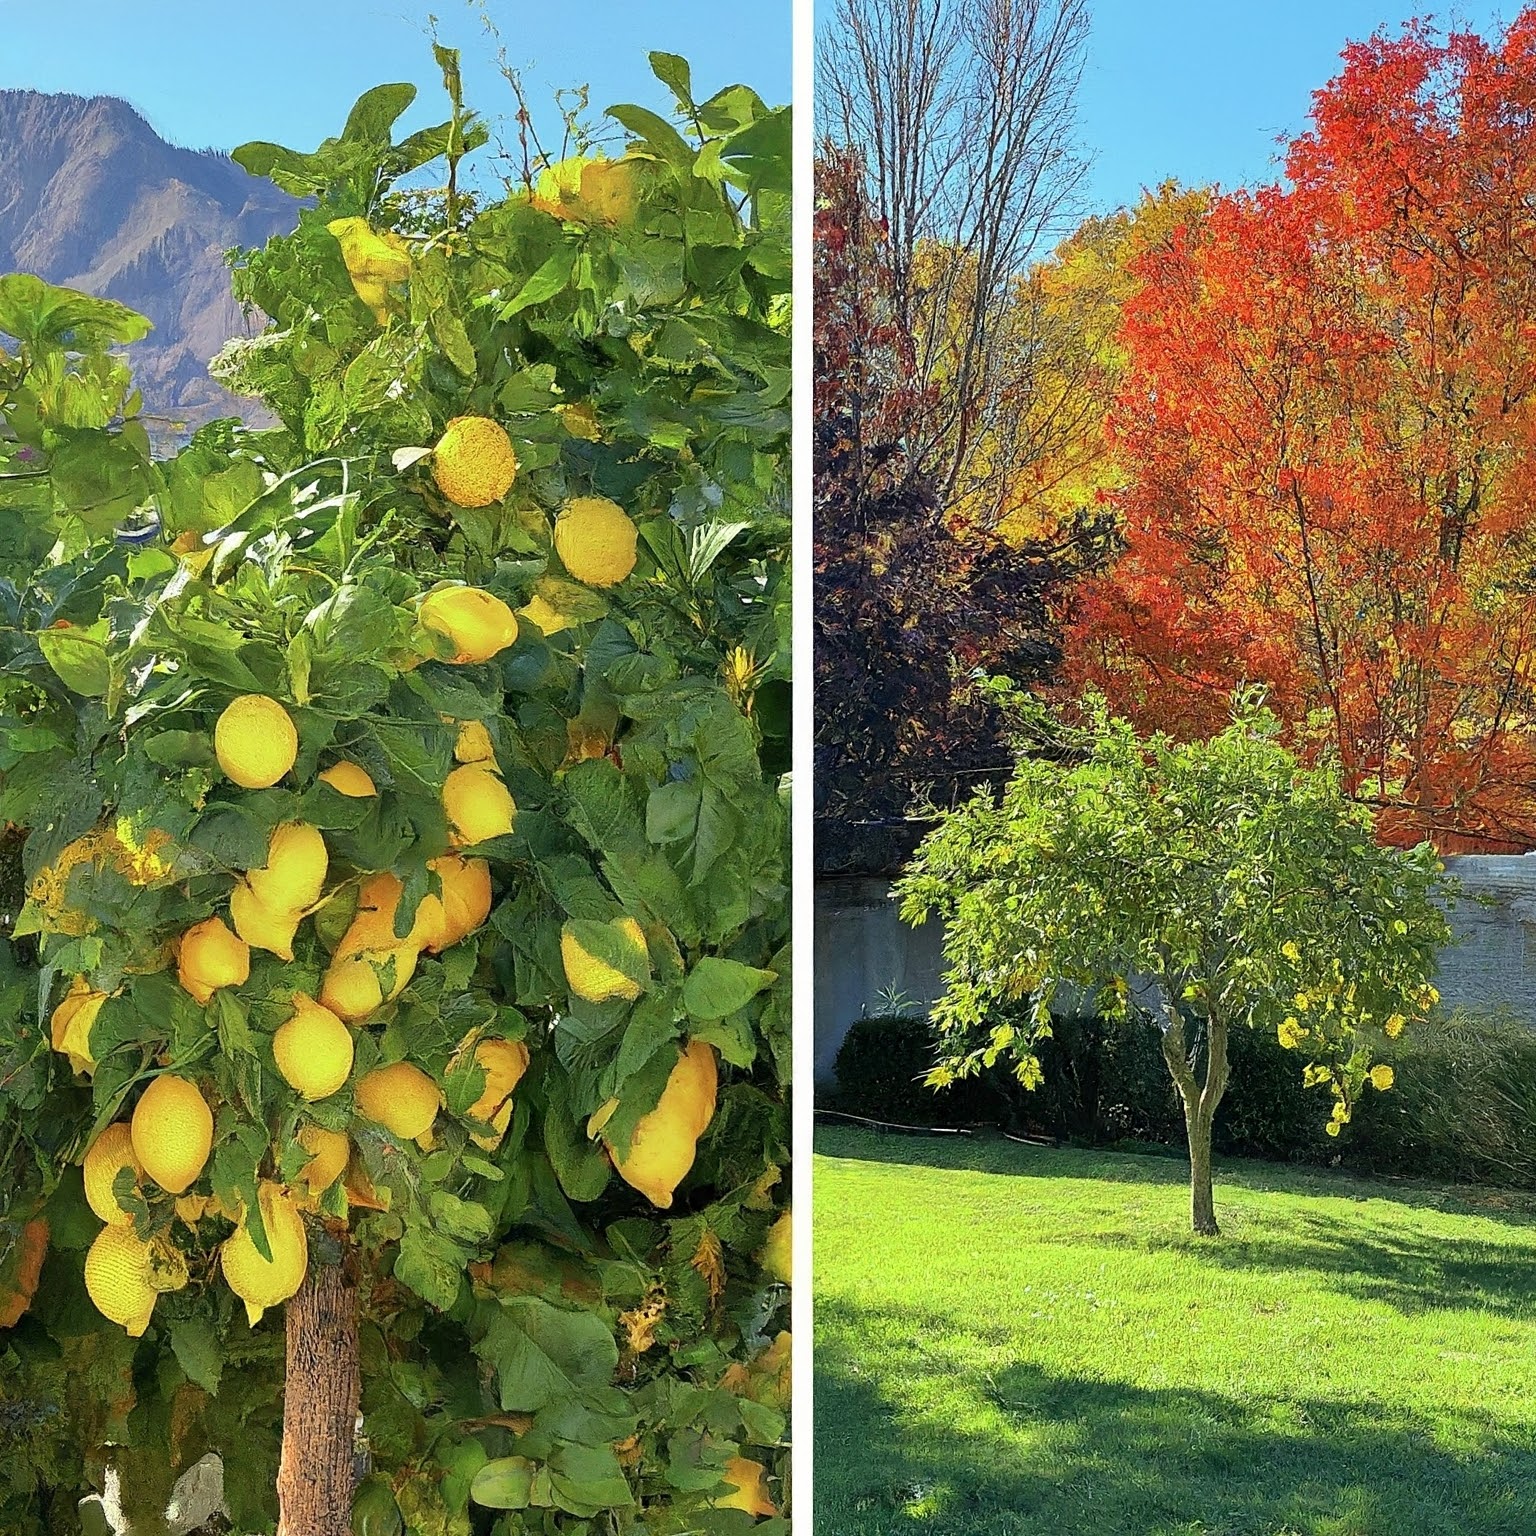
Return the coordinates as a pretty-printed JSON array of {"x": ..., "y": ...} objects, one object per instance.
[{"x": 93, "y": 198}]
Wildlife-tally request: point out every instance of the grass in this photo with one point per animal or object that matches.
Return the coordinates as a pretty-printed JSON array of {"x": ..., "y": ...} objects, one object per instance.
[{"x": 1014, "y": 1340}]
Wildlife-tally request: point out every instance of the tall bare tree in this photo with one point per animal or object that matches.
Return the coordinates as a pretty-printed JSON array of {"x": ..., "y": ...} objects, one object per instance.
[{"x": 963, "y": 111}]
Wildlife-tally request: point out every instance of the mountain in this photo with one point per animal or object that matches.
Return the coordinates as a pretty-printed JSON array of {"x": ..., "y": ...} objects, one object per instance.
[{"x": 93, "y": 198}]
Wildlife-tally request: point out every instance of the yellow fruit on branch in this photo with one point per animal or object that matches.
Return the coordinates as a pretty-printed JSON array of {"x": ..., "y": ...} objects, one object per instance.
[
  {"x": 441, "y": 921},
  {"x": 777, "y": 1255},
  {"x": 118, "y": 1278},
  {"x": 261, "y": 1283},
  {"x": 330, "y": 1151},
  {"x": 665, "y": 1141},
  {"x": 747, "y": 1491},
  {"x": 504, "y": 1063},
  {"x": 353, "y": 987},
  {"x": 106, "y": 1157},
  {"x": 350, "y": 779},
  {"x": 474, "y": 463},
  {"x": 401, "y": 1098},
  {"x": 294, "y": 875},
  {"x": 71, "y": 1024},
  {"x": 260, "y": 927},
  {"x": 255, "y": 741},
  {"x": 374, "y": 262},
  {"x": 595, "y": 980},
  {"x": 313, "y": 1050},
  {"x": 478, "y": 805},
  {"x": 474, "y": 743},
  {"x": 477, "y": 622},
  {"x": 209, "y": 956},
  {"x": 172, "y": 1132},
  {"x": 595, "y": 540}
]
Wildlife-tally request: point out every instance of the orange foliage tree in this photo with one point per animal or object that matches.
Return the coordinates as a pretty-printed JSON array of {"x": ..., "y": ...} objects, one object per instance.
[{"x": 1327, "y": 422}]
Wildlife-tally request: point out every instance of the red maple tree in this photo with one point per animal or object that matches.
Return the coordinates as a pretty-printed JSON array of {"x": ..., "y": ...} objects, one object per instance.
[{"x": 1328, "y": 414}]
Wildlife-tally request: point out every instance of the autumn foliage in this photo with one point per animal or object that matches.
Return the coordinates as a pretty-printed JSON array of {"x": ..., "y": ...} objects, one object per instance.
[{"x": 1328, "y": 427}]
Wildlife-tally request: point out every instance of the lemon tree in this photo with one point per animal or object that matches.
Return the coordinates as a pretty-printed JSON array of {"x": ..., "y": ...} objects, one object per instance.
[{"x": 394, "y": 998}]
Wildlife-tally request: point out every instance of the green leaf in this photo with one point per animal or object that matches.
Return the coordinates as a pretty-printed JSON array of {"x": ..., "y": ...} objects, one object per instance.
[
  {"x": 544, "y": 1355},
  {"x": 198, "y": 1352},
  {"x": 376, "y": 111},
  {"x": 656, "y": 133},
  {"x": 673, "y": 72},
  {"x": 79, "y": 661},
  {"x": 550, "y": 279},
  {"x": 431, "y": 1265},
  {"x": 717, "y": 987}
]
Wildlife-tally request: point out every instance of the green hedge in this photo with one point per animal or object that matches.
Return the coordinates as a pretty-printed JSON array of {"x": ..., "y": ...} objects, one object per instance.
[{"x": 1463, "y": 1109}]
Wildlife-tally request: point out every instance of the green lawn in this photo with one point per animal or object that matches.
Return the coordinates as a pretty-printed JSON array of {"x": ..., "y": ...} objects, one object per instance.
[{"x": 1013, "y": 1340}]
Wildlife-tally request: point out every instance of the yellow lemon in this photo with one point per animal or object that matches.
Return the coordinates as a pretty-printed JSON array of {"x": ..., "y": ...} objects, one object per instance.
[
  {"x": 596, "y": 540},
  {"x": 665, "y": 1141},
  {"x": 294, "y": 875},
  {"x": 504, "y": 1063},
  {"x": 118, "y": 1271},
  {"x": 353, "y": 987},
  {"x": 209, "y": 956},
  {"x": 329, "y": 1152},
  {"x": 465, "y": 903},
  {"x": 71, "y": 1024},
  {"x": 313, "y": 1050},
  {"x": 478, "y": 804},
  {"x": 474, "y": 743},
  {"x": 478, "y": 623},
  {"x": 172, "y": 1132},
  {"x": 261, "y": 1283},
  {"x": 747, "y": 1491},
  {"x": 260, "y": 927},
  {"x": 400, "y": 1097},
  {"x": 595, "y": 980},
  {"x": 374, "y": 262},
  {"x": 348, "y": 778},
  {"x": 474, "y": 463},
  {"x": 255, "y": 741},
  {"x": 777, "y": 1256},
  {"x": 107, "y": 1156}
]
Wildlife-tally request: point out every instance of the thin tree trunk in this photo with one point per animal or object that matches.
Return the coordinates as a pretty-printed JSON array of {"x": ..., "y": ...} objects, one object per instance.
[
  {"x": 320, "y": 1399},
  {"x": 1200, "y": 1103}
]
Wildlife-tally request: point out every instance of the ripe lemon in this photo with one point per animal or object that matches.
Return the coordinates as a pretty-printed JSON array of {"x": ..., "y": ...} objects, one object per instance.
[
  {"x": 118, "y": 1270},
  {"x": 259, "y": 926},
  {"x": 465, "y": 902},
  {"x": 478, "y": 804},
  {"x": 777, "y": 1255},
  {"x": 353, "y": 988},
  {"x": 665, "y": 1141},
  {"x": 747, "y": 1491},
  {"x": 400, "y": 1097},
  {"x": 478, "y": 623},
  {"x": 107, "y": 1156},
  {"x": 329, "y": 1152},
  {"x": 172, "y": 1132},
  {"x": 261, "y": 1283},
  {"x": 474, "y": 743},
  {"x": 294, "y": 874},
  {"x": 596, "y": 540},
  {"x": 71, "y": 1024},
  {"x": 209, "y": 957},
  {"x": 474, "y": 463},
  {"x": 504, "y": 1063},
  {"x": 595, "y": 980},
  {"x": 313, "y": 1050},
  {"x": 347, "y": 778},
  {"x": 255, "y": 741}
]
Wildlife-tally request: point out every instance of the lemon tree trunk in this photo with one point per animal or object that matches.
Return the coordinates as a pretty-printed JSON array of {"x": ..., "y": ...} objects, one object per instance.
[
  {"x": 1200, "y": 1101},
  {"x": 320, "y": 1399}
]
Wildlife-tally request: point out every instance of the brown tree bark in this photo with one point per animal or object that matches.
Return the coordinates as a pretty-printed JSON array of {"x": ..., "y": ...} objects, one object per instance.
[
  {"x": 320, "y": 1400},
  {"x": 1200, "y": 1101}
]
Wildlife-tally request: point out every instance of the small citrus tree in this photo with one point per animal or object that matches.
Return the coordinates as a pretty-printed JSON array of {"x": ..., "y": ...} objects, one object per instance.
[
  {"x": 401, "y": 803},
  {"x": 1219, "y": 884}
]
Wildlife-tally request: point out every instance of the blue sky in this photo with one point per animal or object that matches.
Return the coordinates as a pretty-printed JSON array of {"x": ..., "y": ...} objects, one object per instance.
[
  {"x": 208, "y": 72},
  {"x": 1200, "y": 89}
]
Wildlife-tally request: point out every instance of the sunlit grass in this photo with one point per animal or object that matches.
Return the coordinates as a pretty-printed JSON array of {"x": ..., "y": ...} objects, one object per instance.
[{"x": 1013, "y": 1340}]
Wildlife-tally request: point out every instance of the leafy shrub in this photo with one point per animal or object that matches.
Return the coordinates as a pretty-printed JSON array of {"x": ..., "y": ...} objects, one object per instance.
[{"x": 880, "y": 1068}]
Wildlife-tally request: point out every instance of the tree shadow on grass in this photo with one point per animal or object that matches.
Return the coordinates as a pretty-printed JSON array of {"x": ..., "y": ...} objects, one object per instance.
[{"x": 1051, "y": 1455}]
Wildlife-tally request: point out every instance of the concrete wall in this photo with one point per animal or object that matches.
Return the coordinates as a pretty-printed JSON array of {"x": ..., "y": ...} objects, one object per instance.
[{"x": 861, "y": 947}]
